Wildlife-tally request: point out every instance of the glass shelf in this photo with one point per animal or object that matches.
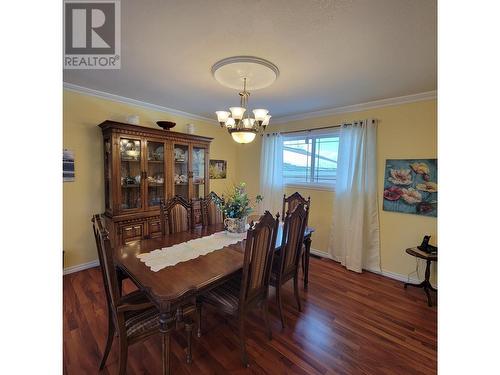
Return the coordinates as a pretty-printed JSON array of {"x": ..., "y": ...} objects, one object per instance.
[
  {"x": 181, "y": 173},
  {"x": 198, "y": 163},
  {"x": 156, "y": 171},
  {"x": 130, "y": 157}
]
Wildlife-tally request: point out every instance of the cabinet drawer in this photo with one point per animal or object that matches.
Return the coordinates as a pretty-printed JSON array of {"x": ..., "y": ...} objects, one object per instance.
[
  {"x": 131, "y": 232},
  {"x": 154, "y": 228}
]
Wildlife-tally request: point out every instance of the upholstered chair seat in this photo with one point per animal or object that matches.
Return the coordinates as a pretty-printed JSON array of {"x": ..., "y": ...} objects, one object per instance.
[
  {"x": 138, "y": 323},
  {"x": 226, "y": 297}
]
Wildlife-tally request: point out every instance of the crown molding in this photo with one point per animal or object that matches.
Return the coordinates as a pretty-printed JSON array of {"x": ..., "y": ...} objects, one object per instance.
[
  {"x": 134, "y": 102},
  {"x": 428, "y": 95}
]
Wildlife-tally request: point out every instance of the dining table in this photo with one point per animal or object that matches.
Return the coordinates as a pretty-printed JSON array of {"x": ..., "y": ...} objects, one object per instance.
[{"x": 173, "y": 287}]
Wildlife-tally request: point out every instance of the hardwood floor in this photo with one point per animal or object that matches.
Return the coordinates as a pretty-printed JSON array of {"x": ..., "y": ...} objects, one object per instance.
[{"x": 350, "y": 324}]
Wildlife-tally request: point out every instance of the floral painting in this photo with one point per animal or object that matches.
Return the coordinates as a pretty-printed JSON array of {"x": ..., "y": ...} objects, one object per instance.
[{"x": 410, "y": 186}]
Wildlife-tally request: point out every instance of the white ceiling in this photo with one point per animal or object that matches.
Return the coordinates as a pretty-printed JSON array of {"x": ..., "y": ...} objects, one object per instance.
[{"x": 330, "y": 53}]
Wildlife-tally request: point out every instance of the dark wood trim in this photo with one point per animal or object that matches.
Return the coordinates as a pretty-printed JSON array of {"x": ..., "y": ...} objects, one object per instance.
[{"x": 144, "y": 131}]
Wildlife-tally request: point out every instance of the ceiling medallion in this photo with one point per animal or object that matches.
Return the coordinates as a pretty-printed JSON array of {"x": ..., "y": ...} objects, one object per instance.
[{"x": 253, "y": 73}]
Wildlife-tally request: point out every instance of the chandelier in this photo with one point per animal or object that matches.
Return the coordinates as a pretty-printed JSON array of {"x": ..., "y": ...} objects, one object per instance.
[
  {"x": 238, "y": 122},
  {"x": 255, "y": 73}
]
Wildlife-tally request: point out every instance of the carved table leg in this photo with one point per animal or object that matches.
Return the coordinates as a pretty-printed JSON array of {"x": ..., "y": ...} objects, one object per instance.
[
  {"x": 189, "y": 328},
  {"x": 307, "y": 253},
  {"x": 198, "y": 310},
  {"x": 165, "y": 329}
]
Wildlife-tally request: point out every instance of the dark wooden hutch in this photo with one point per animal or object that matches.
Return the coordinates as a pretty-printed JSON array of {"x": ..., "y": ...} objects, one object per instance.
[{"x": 144, "y": 165}]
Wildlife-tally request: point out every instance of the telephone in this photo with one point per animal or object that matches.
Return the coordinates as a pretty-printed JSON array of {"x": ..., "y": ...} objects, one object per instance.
[{"x": 424, "y": 246}]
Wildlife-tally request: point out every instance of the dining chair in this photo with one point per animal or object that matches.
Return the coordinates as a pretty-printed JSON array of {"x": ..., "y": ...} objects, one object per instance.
[
  {"x": 212, "y": 213},
  {"x": 132, "y": 317},
  {"x": 175, "y": 215},
  {"x": 292, "y": 201},
  {"x": 286, "y": 264},
  {"x": 248, "y": 289},
  {"x": 197, "y": 212},
  {"x": 289, "y": 204}
]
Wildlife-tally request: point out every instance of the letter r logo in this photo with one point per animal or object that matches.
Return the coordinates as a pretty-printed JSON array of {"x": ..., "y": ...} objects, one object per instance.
[{"x": 89, "y": 28}]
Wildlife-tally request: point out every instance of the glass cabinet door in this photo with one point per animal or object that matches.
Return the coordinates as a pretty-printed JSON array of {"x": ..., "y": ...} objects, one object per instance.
[
  {"x": 198, "y": 165},
  {"x": 181, "y": 170},
  {"x": 155, "y": 170},
  {"x": 130, "y": 174}
]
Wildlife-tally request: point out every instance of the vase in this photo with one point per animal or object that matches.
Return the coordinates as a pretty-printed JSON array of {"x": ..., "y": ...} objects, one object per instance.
[
  {"x": 133, "y": 119},
  {"x": 235, "y": 225}
]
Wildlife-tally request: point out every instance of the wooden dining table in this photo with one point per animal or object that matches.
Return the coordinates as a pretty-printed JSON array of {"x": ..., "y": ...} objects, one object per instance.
[{"x": 176, "y": 286}]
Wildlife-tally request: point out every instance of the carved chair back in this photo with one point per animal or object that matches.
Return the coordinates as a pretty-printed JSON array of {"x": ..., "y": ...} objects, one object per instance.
[
  {"x": 198, "y": 216},
  {"x": 212, "y": 213},
  {"x": 108, "y": 269},
  {"x": 175, "y": 215},
  {"x": 257, "y": 264},
  {"x": 291, "y": 202},
  {"x": 293, "y": 238}
]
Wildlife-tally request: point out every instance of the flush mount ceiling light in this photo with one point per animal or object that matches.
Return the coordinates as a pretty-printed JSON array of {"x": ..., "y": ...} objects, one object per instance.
[{"x": 252, "y": 73}]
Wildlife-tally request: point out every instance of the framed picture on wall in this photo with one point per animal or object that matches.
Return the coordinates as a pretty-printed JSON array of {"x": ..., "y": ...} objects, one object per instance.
[
  {"x": 410, "y": 186},
  {"x": 68, "y": 165},
  {"x": 218, "y": 169}
]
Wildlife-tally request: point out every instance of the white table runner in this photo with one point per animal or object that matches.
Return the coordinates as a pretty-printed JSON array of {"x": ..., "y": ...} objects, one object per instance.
[{"x": 182, "y": 252}]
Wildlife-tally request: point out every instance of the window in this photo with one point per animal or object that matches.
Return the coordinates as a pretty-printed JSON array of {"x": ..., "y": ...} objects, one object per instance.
[{"x": 311, "y": 159}]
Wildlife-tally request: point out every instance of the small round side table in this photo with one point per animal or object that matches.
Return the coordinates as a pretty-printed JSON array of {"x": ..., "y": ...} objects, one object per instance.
[{"x": 413, "y": 251}]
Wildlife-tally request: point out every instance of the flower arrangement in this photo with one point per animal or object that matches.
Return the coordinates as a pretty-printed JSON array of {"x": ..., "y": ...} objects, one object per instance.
[{"x": 237, "y": 204}]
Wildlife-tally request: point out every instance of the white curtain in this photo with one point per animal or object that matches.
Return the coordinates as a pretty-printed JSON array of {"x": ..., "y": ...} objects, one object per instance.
[
  {"x": 271, "y": 173},
  {"x": 354, "y": 239}
]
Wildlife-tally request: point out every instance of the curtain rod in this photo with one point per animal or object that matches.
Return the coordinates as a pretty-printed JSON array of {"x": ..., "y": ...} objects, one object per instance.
[
  {"x": 308, "y": 130},
  {"x": 320, "y": 128}
]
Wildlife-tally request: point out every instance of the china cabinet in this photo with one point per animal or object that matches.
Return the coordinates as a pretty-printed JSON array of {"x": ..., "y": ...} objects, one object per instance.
[{"x": 144, "y": 165}]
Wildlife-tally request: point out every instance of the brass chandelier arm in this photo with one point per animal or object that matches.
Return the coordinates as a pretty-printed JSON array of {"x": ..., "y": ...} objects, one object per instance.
[{"x": 244, "y": 96}]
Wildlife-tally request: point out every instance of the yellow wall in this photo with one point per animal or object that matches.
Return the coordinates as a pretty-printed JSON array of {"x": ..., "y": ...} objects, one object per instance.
[
  {"x": 85, "y": 196},
  {"x": 404, "y": 131}
]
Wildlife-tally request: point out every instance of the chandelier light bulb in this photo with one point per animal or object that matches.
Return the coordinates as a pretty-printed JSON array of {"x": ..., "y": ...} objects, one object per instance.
[
  {"x": 265, "y": 122},
  {"x": 222, "y": 116},
  {"x": 248, "y": 122},
  {"x": 260, "y": 115},
  {"x": 243, "y": 136},
  {"x": 230, "y": 122},
  {"x": 237, "y": 112}
]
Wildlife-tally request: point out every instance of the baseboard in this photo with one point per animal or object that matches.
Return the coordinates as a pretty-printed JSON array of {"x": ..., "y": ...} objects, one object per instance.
[
  {"x": 321, "y": 254},
  {"x": 389, "y": 274},
  {"x": 80, "y": 267},
  {"x": 396, "y": 276}
]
